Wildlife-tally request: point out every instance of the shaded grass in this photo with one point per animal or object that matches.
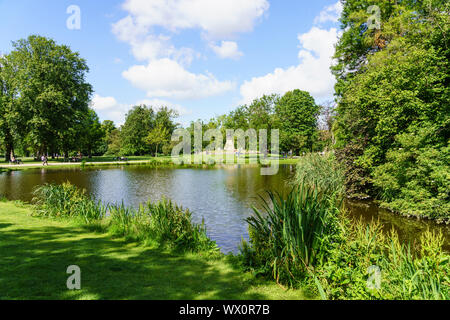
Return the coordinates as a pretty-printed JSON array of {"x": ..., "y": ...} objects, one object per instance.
[{"x": 35, "y": 253}]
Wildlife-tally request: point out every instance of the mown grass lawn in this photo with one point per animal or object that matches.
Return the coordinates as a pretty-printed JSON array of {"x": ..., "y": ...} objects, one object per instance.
[{"x": 35, "y": 254}]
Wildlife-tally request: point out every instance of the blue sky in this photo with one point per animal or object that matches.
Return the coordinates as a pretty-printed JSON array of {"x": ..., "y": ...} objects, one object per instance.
[{"x": 201, "y": 57}]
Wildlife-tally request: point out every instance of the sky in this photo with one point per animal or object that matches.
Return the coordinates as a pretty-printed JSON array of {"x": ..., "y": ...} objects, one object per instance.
[{"x": 202, "y": 58}]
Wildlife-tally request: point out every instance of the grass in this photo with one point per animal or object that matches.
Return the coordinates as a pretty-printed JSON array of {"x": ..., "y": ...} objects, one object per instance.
[{"x": 35, "y": 253}]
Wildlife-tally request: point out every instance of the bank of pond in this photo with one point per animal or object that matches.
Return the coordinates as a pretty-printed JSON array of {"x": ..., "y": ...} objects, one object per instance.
[{"x": 306, "y": 237}]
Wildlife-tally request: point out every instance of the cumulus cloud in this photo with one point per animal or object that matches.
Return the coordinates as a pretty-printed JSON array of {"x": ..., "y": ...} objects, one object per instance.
[
  {"x": 227, "y": 50},
  {"x": 312, "y": 74},
  {"x": 330, "y": 13},
  {"x": 217, "y": 18},
  {"x": 165, "y": 74},
  {"x": 167, "y": 78},
  {"x": 109, "y": 108}
]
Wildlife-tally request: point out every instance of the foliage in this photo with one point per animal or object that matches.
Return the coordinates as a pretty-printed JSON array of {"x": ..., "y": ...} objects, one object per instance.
[
  {"x": 67, "y": 201},
  {"x": 296, "y": 116},
  {"x": 415, "y": 178},
  {"x": 393, "y": 83},
  {"x": 144, "y": 130},
  {"x": 163, "y": 222},
  {"x": 322, "y": 172},
  {"x": 405, "y": 273},
  {"x": 292, "y": 234}
]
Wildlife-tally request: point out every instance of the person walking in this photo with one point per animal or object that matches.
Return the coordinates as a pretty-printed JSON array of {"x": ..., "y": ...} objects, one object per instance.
[{"x": 44, "y": 160}]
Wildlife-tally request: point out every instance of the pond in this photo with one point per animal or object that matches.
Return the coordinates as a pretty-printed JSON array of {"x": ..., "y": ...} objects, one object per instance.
[{"x": 223, "y": 197}]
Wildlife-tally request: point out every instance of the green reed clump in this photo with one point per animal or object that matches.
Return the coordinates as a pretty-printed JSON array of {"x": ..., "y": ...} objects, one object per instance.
[
  {"x": 66, "y": 200},
  {"x": 406, "y": 273},
  {"x": 322, "y": 172},
  {"x": 163, "y": 222},
  {"x": 291, "y": 234}
]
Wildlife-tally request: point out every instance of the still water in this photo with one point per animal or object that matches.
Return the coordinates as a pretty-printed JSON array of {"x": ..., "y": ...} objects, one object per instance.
[{"x": 222, "y": 197}]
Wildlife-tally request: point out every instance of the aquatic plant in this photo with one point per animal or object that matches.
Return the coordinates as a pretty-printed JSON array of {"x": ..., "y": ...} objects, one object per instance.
[{"x": 291, "y": 234}]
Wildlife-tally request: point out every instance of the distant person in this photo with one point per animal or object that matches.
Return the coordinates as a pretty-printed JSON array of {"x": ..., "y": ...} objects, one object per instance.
[{"x": 44, "y": 160}]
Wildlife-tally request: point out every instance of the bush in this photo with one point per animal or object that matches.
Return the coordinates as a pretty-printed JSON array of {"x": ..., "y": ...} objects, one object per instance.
[
  {"x": 415, "y": 178},
  {"x": 404, "y": 275},
  {"x": 163, "y": 222}
]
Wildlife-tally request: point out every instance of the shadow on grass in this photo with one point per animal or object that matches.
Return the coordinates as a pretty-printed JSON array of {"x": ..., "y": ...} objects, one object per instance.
[{"x": 33, "y": 265}]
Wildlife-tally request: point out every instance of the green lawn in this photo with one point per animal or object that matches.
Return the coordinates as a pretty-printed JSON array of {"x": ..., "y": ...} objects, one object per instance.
[{"x": 35, "y": 253}]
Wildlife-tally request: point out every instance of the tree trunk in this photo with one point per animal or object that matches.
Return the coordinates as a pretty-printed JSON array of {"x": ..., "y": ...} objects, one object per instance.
[{"x": 9, "y": 147}]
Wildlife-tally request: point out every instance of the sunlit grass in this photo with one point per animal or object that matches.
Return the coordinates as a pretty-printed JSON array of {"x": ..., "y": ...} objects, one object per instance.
[{"x": 35, "y": 253}]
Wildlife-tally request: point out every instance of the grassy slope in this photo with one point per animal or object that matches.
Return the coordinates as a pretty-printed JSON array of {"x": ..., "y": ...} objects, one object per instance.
[{"x": 35, "y": 253}]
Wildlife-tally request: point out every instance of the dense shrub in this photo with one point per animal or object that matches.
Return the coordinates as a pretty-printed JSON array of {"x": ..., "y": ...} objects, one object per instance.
[
  {"x": 163, "y": 222},
  {"x": 406, "y": 273}
]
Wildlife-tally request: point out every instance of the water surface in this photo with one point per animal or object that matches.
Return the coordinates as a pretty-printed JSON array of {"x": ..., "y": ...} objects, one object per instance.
[{"x": 222, "y": 197}]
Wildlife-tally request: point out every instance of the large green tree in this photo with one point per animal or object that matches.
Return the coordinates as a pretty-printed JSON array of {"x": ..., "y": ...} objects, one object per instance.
[
  {"x": 296, "y": 117},
  {"x": 140, "y": 120},
  {"x": 54, "y": 94},
  {"x": 394, "y": 85}
]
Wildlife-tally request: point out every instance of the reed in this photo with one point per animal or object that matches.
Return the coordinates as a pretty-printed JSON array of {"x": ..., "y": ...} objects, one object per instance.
[
  {"x": 292, "y": 233},
  {"x": 321, "y": 172},
  {"x": 163, "y": 222},
  {"x": 66, "y": 200}
]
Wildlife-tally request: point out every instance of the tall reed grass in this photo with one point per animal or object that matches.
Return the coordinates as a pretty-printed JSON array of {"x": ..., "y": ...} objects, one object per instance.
[
  {"x": 291, "y": 233},
  {"x": 321, "y": 172},
  {"x": 306, "y": 239},
  {"x": 163, "y": 222}
]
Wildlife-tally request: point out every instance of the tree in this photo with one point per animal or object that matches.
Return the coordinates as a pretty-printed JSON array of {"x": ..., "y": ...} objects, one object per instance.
[
  {"x": 296, "y": 116},
  {"x": 92, "y": 133},
  {"x": 158, "y": 136},
  {"x": 402, "y": 87},
  {"x": 54, "y": 94},
  {"x": 138, "y": 124}
]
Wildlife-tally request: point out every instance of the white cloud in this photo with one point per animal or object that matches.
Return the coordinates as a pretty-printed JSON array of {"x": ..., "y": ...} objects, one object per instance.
[
  {"x": 330, "y": 13},
  {"x": 109, "y": 108},
  {"x": 167, "y": 78},
  {"x": 217, "y": 18},
  {"x": 165, "y": 74},
  {"x": 227, "y": 50},
  {"x": 312, "y": 74}
]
